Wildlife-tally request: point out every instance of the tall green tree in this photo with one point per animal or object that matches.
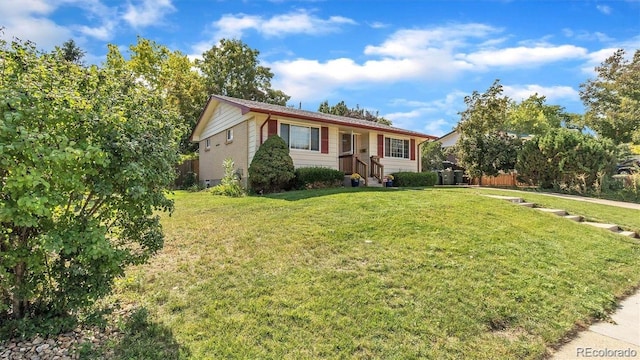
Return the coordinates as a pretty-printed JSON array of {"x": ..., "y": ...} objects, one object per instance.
[
  {"x": 72, "y": 52},
  {"x": 533, "y": 117},
  {"x": 484, "y": 147},
  {"x": 612, "y": 99},
  {"x": 341, "y": 109},
  {"x": 232, "y": 68},
  {"x": 172, "y": 75},
  {"x": 86, "y": 156}
]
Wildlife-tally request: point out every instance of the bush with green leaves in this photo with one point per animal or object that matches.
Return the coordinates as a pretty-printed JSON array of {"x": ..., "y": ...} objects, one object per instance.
[
  {"x": 271, "y": 169},
  {"x": 230, "y": 184},
  {"x": 414, "y": 179},
  {"x": 433, "y": 156},
  {"x": 318, "y": 178},
  {"x": 565, "y": 158},
  {"x": 86, "y": 157}
]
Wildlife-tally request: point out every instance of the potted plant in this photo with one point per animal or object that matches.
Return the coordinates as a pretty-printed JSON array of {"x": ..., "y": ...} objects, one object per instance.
[
  {"x": 355, "y": 179},
  {"x": 389, "y": 182}
]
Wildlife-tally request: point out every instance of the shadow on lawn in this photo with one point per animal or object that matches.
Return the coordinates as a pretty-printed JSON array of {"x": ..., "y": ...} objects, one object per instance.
[
  {"x": 141, "y": 338},
  {"x": 307, "y": 194}
]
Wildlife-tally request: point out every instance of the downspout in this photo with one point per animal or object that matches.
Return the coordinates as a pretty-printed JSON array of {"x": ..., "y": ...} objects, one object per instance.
[{"x": 262, "y": 127}]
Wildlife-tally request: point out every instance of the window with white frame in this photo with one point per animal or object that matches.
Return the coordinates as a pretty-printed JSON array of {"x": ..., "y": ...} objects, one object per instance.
[
  {"x": 396, "y": 148},
  {"x": 207, "y": 144},
  {"x": 229, "y": 135},
  {"x": 300, "y": 137}
]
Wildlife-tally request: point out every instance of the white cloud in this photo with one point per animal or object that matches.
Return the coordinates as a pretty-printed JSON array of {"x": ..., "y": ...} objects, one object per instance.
[
  {"x": 595, "y": 59},
  {"x": 148, "y": 13},
  {"x": 30, "y": 21},
  {"x": 552, "y": 93},
  {"x": 414, "y": 42},
  {"x": 524, "y": 56},
  {"x": 604, "y": 9},
  {"x": 27, "y": 21},
  {"x": 378, "y": 25},
  {"x": 234, "y": 26},
  {"x": 104, "y": 32},
  {"x": 427, "y": 116},
  {"x": 297, "y": 22},
  {"x": 586, "y": 36},
  {"x": 435, "y": 55},
  {"x": 9, "y": 9}
]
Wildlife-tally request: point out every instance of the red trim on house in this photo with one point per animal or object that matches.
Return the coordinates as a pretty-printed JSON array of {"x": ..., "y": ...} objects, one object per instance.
[
  {"x": 324, "y": 140},
  {"x": 412, "y": 149},
  {"x": 380, "y": 146},
  {"x": 262, "y": 127},
  {"x": 272, "y": 128}
]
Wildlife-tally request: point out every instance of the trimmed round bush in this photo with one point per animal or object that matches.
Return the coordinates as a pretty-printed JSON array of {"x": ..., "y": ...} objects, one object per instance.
[{"x": 271, "y": 169}]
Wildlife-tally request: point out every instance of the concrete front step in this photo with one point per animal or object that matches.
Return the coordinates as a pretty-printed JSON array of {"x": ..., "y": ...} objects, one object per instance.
[
  {"x": 527, "y": 204},
  {"x": 631, "y": 234},
  {"x": 513, "y": 199},
  {"x": 558, "y": 212},
  {"x": 563, "y": 213},
  {"x": 610, "y": 227},
  {"x": 373, "y": 182},
  {"x": 613, "y": 228},
  {"x": 576, "y": 218}
]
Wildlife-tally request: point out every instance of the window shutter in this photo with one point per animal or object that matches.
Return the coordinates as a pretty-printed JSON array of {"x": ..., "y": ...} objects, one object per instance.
[
  {"x": 324, "y": 140},
  {"x": 272, "y": 128},
  {"x": 380, "y": 146},
  {"x": 412, "y": 149}
]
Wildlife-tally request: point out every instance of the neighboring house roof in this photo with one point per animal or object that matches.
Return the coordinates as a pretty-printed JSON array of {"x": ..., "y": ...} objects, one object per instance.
[
  {"x": 449, "y": 139},
  {"x": 270, "y": 109}
]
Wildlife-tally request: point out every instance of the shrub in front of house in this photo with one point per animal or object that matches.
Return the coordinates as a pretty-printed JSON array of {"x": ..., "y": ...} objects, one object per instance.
[
  {"x": 230, "y": 183},
  {"x": 414, "y": 179},
  {"x": 271, "y": 169},
  {"x": 318, "y": 178}
]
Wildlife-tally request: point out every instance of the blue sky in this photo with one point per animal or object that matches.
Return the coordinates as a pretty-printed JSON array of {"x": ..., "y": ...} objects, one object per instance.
[{"x": 412, "y": 61}]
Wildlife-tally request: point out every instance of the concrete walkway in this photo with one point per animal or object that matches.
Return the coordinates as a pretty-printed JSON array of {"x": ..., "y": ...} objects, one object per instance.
[
  {"x": 621, "y": 204},
  {"x": 618, "y": 339},
  {"x": 604, "y": 340}
]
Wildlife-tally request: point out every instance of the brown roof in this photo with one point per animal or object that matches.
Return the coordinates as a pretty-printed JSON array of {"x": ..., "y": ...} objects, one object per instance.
[{"x": 254, "y": 106}]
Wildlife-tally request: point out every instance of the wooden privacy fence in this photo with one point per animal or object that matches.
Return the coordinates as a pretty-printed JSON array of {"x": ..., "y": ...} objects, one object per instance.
[
  {"x": 183, "y": 170},
  {"x": 506, "y": 180}
]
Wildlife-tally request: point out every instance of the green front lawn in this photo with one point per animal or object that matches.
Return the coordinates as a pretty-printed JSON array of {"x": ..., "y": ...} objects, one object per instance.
[{"x": 375, "y": 273}]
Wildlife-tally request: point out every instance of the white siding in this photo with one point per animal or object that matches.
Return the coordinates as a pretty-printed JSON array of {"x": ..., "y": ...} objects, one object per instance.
[
  {"x": 251, "y": 140},
  {"x": 392, "y": 164},
  {"x": 449, "y": 140},
  {"x": 306, "y": 158},
  {"x": 224, "y": 117}
]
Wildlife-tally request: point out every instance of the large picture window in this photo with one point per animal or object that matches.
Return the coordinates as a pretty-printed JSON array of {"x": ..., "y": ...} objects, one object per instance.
[
  {"x": 396, "y": 148},
  {"x": 300, "y": 137}
]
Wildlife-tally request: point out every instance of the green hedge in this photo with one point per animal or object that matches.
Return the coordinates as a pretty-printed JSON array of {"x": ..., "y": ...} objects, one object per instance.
[
  {"x": 411, "y": 179},
  {"x": 317, "y": 178}
]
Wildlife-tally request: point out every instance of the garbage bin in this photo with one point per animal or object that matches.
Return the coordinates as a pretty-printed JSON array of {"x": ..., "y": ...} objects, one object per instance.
[
  {"x": 447, "y": 177},
  {"x": 439, "y": 174},
  {"x": 458, "y": 176}
]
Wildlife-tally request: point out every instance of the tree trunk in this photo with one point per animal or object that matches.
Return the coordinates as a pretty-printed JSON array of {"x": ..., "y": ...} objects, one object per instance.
[{"x": 18, "y": 299}]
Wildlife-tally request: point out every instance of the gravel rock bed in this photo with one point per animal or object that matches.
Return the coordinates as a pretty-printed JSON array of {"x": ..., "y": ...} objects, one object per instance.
[
  {"x": 62, "y": 347},
  {"x": 67, "y": 346}
]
